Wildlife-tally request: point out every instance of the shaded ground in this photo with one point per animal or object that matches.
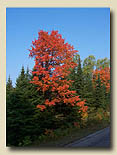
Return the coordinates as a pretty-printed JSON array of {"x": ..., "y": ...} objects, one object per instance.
[
  {"x": 98, "y": 139},
  {"x": 73, "y": 136}
]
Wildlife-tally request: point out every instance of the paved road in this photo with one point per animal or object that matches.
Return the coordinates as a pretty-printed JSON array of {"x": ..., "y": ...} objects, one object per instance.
[{"x": 99, "y": 139}]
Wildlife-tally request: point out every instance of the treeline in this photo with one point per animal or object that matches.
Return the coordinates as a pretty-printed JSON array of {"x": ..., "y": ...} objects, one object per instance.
[{"x": 25, "y": 122}]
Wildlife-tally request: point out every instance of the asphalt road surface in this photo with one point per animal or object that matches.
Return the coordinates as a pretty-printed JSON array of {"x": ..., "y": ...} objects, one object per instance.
[{"x": 98, "y": 139}]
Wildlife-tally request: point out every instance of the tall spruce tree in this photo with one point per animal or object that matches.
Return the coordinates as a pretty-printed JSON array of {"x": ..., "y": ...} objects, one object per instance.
[
  {"x": 88, "y": 91},
  {"x": 20, "y": 118},
  {"x": 79, "y": 79},
  {"x": 21, "y": 81},
  {"x": 9, "y": 86},
  {"x": 99, "y": 95},
  {"x": 9, "y": 92}
]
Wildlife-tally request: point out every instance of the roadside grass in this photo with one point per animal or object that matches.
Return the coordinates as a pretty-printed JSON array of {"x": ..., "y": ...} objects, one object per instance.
[{"x": 62, "y": 137}]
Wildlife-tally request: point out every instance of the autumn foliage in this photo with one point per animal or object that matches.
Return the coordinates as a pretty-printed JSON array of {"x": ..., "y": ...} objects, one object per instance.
[
  {"x": 104, "y": 76},
  {"x": 53, "y": 61},
  {"x": 53, "y": 95}
]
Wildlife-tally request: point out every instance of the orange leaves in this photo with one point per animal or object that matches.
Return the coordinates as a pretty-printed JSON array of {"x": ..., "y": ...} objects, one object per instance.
[
  {"x": 82, "y": 106},
  {"x": 45, "y": 87},
  {"x": 104, "y": 76},
  {"x": 50, "y": 67},
  {"x": 72, "y": 99},
  {"x": 62, "y": 88},
  {"x": 35, "y": 78},
  {"x": 52, "y": 57},
  {"x": 49, "y": 103},
  {"x": 42, "y": 107},
  {"x": 53, "y": 61}
]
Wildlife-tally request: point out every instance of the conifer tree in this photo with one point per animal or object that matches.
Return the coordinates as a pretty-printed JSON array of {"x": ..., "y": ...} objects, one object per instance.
[
  {"x": 9, "y": 86},
  {"x": 99, "y": 95},
  {"x": 88, "y": 91},
  {"x": 20, "y": 121},
  {"x": 21, "y": 80},
  {"x": 79, "y": 79},
  {"x": 77, "y": 76},
  {"x": 9, "y": 92}
]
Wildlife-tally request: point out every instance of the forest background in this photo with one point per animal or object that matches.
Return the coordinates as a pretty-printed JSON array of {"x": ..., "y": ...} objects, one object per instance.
[
  {"x": 92, "y": 86},
  {"x": 58, "y": 94}
]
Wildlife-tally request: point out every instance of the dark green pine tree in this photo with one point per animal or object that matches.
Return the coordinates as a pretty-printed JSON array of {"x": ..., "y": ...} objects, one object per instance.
[
  {"x": 9, "y": 92},
  {"x": 9, "y": 95},
  {"x": 99, "y": 94},
  {"x": 21, "y": 81},
  {"x": 106, "y": 98},
  {"x": 20, "y": 122},
  {"x": 77, "y": 77},
  {"x": 88, "y": 91},
  {"x": 9, "y": 86},
  {"x": 28, "y": 75},
  {"x": 83, "y": 83},
  {"x": 79, "y": 80}
]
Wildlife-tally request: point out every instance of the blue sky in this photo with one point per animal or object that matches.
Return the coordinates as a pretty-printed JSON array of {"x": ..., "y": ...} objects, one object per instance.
[{"x": 87, "y": 29}]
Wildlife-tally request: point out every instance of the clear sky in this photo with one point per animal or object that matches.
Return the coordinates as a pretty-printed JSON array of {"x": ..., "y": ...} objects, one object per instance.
[{"x": 87, "y": 29}]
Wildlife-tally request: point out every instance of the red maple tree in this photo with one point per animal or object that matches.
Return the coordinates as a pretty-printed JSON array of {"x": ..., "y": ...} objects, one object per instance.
[
  {"x": 53, "y": 60},
  {"x": 104, "y": 76}
]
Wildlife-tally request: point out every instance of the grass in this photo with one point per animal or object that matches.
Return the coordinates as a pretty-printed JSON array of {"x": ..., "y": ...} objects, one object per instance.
[{"x": 71, "y": 134}]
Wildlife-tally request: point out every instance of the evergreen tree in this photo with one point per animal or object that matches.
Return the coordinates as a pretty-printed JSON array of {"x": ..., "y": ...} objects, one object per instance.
[
  {"x": 79, "y": 79},
  {"x": 107, "y": 99},
  {"x": 20, "y": 112},
  {"x": 9, "y": 92},
  {"x": 106, "y": 105},
  {"x": 88, "y": 91},
  {"x": 9, "y": 86},
  {"x": 21, "y": 81},
  {"x": 99, "y": 95}
]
